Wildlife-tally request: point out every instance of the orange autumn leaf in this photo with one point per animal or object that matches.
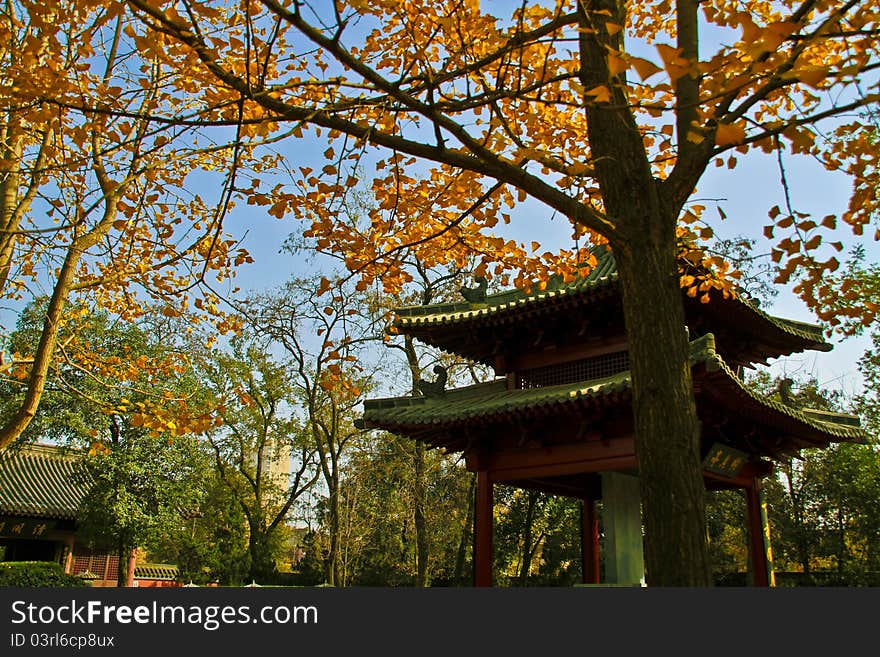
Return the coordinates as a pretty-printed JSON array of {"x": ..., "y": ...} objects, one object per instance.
[
  {"x": 644, "y": 68},
  {"x": 616, "y": 65},
  {"x": 729, "y": 134},
  {"x": 676, "y": 66},
  {"x": 811, "y": 75},
  {"x": 600, "y": 94}
]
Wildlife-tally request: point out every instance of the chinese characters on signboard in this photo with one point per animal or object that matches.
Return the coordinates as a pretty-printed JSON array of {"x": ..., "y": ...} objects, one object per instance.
[
  {"x": 25, "y": 528},
  {"x": 724, "y": 460}
]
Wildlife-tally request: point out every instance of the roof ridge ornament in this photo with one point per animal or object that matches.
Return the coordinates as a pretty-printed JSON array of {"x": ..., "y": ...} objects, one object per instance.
[
  {"x": 786, "y": 394},
  {"x": 476, "y": 294},
  {"x": 437, "y": 387}
]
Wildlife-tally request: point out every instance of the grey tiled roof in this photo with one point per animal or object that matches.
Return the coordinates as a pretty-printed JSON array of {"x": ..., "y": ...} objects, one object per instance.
[
  {"x": 40, "y": 480},
  {"x": 155, "y": 571}
]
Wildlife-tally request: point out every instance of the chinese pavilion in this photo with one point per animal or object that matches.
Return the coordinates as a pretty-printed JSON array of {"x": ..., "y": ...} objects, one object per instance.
[{"x": 558, "y": 418}]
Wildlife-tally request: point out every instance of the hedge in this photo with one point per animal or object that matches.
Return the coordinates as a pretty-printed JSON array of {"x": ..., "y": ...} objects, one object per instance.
[{"x": 32, "y": 574}]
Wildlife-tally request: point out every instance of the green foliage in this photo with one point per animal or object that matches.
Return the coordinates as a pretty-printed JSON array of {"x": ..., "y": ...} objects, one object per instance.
[
  {"x": 83, "y": 400},
  {"x": 139, "y": 479},
  {"x": 537, "y": 538},
  {"x": 377, "y": 517},
  {"x": 824, "y": 507},
  {"x": 263, "y": 458},
  {"x": 728, "y": 537},
  {"x": 311, "y": 569},
  {"x": 210, "y": 543},
  {"x": 858, "y": 286},
  {"x": 32, "y": 574},
  {"x": 140, "y": 487},
  {"x": 868, "y": 403}
]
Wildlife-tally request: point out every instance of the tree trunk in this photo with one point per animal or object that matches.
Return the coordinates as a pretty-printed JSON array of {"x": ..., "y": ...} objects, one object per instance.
[
  {"x": 421, "y": 522},
  {"x": 644, "y": 212},
  {"x": 262, "y": 564},
  {"x": 42, "y": 359},
  {"x": 10, "y": 184},
  {"x": 123, "y": 552},
  {"x": 664, "y": 411},
  {"x": 466, "y": 534},
  {"x": 798, "y": 515},
  {"x": 526, "y": 548},
  {"x": 423, "y": 545},
  {"x": 332, "y": 564}
]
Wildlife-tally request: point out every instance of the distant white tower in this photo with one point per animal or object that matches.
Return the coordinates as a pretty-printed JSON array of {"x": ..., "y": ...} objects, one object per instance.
[{"x": 276, "y": 464}]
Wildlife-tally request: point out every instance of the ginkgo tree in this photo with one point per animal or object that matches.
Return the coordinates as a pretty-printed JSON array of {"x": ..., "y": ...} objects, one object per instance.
[
  {"x": 96, "y": 199},
  {"x": 607, "y": 112}
]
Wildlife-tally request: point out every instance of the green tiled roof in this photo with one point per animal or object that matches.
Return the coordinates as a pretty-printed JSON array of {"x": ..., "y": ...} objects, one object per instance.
[
  {"x": 804, "y": 330},
  {"x": 155, "y": 571},
  {"x": 487, "y": 400},
  {"x": 840, "y": 426},
  {"x": 39, "y": 480},
  {"x": 602, "y": 276}
]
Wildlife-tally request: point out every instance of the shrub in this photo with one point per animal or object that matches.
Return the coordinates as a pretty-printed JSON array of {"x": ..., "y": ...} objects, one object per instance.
[{"x": 32, "y": 574}]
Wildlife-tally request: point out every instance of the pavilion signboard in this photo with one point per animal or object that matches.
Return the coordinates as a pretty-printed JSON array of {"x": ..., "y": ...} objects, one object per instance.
[{"x": 12, "y": 527}]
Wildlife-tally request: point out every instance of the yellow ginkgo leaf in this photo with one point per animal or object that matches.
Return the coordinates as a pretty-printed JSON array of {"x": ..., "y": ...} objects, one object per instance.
[
  {"x": 600, "y": 94},
  {"x": 616, "y": 65},
  {"x": 811, "y": 75},
  {"x": 643, "y": 67},
  {"x": 729, "y": 134}
]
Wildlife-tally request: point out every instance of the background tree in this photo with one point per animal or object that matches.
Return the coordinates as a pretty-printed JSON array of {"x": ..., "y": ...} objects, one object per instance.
[
  {"x": 728, "y": 538},
  {"x": 142, "y": 474},
  {"x": 868, "y": 403},
  {"x": 139, "y": 487},
  {"x": 324, "y": 341},
  {"x": 379, "y": 491},
  {"x": 428, "y": 286},
  {"x": 822, "y": 505},
  {"x": 207, "y": 542},
  {"x": 544, "y": 102},
  {"x": 262, "y": 452},
  {"x": 105, "y": 366},
  {"x": 538, "y": 538}
]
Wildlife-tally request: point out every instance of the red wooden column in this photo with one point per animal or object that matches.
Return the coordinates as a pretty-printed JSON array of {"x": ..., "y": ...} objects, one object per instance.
[
  {"x": 589, "y": 542},
  {"x": 483, "y": 529},
  {"x": 759, "y": 535},
  {"x": 67, "y": 561}
]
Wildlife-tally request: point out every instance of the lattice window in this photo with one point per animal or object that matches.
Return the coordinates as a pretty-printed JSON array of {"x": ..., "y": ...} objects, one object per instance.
[
  {"x": 81, "y": 563},
  {"x": 99, "y": 563},
  {"x": 586, "y": 369}
]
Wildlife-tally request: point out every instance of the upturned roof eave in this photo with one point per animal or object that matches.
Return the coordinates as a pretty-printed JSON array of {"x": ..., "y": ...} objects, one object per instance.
[
  {"x": 492, "y": 400},
  {"x": 454, "y": 313},
  {"x": 441, "y": 316},
  {"x": 604, "y": 276}
]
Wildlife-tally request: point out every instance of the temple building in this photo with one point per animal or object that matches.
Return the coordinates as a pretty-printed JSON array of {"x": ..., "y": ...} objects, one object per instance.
[
  {"x": 39, "y": 496},
  {"x": 558, "y": 417},
  {"x": 40, "y": 491}
]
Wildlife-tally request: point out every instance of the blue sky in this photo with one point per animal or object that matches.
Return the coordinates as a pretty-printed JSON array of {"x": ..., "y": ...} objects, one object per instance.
[{"x": 750, "y": 191}]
